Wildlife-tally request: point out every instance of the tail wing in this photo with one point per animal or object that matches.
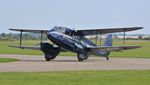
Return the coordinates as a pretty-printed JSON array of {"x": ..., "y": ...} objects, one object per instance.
[
  {"x": 107, "y": 48},
  {"x": 114, "y": 48},
  {"x": 101, "y": 51}
]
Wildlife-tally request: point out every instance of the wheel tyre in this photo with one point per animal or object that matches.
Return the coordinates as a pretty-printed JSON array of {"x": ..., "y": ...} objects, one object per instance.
[
  {"x": 80, "y": 57},
  {"x": 47, "y": 57},
  {"x": 107, "y": 58}
]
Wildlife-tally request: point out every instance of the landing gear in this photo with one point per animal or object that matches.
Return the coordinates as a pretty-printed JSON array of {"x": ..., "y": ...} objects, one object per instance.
[
  {"x": 86, "y": 57},
  {"x": 107, "y": 57},
  {"x": 81, "y": 57},
  {"x": 49, "y": 57},
  {"x": 49, "y": 51}
]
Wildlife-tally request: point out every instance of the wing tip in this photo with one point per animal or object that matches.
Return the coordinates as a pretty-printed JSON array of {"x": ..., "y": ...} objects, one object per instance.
[
  {"x": 131, "y": 47},
  {"x": 14, "y": 29},
  {"x": 10, "y": 28},
  {"x": 138, "y": 28}
]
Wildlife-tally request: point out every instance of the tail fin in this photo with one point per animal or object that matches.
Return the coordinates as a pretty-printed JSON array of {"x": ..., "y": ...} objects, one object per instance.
[
  {"x": 108, "y": 41},
  {"x": 105, "y": 53}
]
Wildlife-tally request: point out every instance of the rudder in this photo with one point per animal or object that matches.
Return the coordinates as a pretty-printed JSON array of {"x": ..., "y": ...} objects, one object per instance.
[{"x": 108, "y": 41}]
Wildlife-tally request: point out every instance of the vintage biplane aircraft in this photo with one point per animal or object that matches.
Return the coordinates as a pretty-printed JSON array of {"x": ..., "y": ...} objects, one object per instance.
[{"x": 66, "y": 39}]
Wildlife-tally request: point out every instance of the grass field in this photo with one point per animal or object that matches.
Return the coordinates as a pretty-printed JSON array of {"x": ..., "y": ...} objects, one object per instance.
[
  {"x": 3, "y": 60},
  {"x": 120, "y": 77},
  {"x": 141, "y": 52},
  {"x": 77, "y": 78}
]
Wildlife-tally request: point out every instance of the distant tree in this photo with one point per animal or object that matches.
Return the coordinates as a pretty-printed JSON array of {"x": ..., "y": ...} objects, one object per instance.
[
  {"x": 140, "y": 37},
  {"x": 3, "y": 35},
  {"x": 10, "y": 36},
  {"x": 147, "y": 38},
  {"x": 26, "y": 36},
  {"x": 116, "y": 37}
]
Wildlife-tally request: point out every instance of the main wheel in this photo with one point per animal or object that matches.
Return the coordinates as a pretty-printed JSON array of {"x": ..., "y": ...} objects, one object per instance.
[
  {"x": 107, "y": 58},
  {"x": 52, "y": 56},
  {"x": 47, "y": 57},
  {"x": 80, "y": 57}
]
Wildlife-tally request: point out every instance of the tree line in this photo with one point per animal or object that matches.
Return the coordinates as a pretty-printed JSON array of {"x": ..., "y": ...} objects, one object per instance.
[{"x": 33, "y": 36}]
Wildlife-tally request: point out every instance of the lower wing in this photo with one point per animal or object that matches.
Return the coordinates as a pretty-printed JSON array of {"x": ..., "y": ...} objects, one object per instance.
[
  {"x": 33, "y": 47},
  {"x": 26, "y": 47}
]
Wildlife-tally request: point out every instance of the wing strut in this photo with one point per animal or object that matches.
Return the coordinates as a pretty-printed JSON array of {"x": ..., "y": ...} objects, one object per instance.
[
  {"x": 100, "y": 39},
  {"x": 41, "y": 36},
  {"x": 21, "y": 38},
  {"x": 96, "y": 38},
  {"x": 124, "y": 37}
]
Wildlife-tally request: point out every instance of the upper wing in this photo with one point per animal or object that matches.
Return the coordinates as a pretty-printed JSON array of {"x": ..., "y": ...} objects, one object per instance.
[
  {"x": 86, "y": 32},
  {"x": 113, "y": 48},
  {"x": 30, "y": 30},
  {"x": 105, "y": 31}
]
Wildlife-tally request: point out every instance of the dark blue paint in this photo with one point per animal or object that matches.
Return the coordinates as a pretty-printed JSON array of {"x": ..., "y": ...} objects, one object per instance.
[{"x": 69, "y": 40}]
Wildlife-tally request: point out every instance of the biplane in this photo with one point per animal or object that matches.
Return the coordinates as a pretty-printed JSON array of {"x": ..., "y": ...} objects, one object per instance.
[{"x": 65, "y": 39}]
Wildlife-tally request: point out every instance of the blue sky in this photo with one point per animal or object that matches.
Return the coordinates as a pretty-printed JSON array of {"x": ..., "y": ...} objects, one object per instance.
[{"x": 74, "y": 14}]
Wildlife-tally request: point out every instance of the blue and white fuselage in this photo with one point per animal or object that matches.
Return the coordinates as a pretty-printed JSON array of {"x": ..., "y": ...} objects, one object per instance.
[
  {"x": 69, "y": 41},
  {"x": 65, "y": 41}
]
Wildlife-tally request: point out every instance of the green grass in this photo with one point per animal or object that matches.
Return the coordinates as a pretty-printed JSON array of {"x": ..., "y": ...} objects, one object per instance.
[
  {"x": 141, "y": 52},
  {"x": 77, "y": 78},
  {"x": 2, "y": 60},
  {"x": 9, "y": 50}
]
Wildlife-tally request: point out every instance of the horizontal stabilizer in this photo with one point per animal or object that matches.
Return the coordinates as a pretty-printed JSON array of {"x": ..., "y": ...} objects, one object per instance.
[{"x": 113, "y": 48}]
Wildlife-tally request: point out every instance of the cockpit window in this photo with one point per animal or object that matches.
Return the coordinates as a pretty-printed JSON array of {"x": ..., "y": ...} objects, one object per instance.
[{"x": 59, "y": 29}]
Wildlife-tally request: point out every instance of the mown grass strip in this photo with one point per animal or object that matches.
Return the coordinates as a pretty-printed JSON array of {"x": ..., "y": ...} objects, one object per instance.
[
  {"x": 3, "y": 60},
  {"x": 120, "y": 77}
]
